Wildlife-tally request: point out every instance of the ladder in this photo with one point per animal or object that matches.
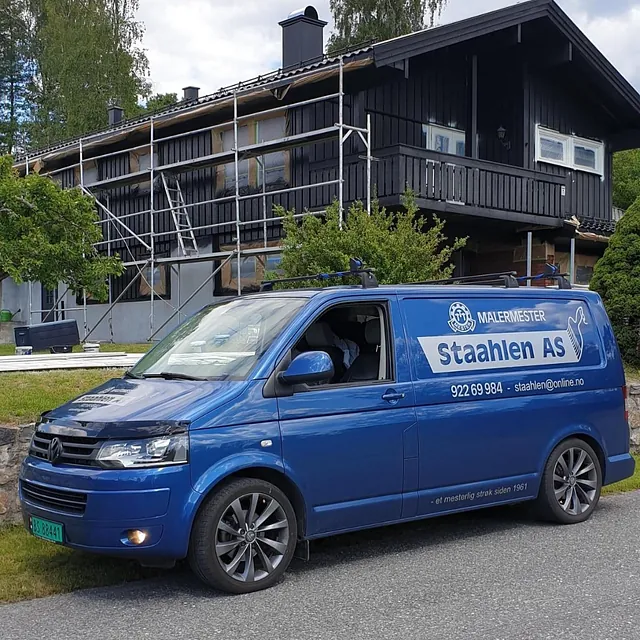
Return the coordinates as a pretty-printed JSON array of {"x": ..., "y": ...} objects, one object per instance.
[{"x": 186, "y": 238}]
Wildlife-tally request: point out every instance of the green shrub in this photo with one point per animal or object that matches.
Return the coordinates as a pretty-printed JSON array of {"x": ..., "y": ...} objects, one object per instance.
[
  {"x": 616, "y": 278},
  {"x": 401, "y": 246}
]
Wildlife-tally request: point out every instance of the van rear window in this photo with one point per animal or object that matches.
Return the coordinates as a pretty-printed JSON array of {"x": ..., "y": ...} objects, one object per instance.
[{"x": 488, "y": 334}]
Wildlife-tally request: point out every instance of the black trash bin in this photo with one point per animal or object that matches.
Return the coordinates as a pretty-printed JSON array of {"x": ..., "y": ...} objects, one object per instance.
[{"x": 57, "y": 336}]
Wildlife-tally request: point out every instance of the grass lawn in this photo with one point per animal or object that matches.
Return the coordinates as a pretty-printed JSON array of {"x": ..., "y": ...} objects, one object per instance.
[
  {"x": 632, "y": 374},
  {"x": 10, "y": 350},
  {"x": 31, "y": 568},
  {"x": 27, "y": 394}
]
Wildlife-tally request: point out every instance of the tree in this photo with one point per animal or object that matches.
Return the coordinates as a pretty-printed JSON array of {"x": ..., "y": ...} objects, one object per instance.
[
  {"x": 626, "y": 178},
  {"x": 47, "y": 235},
  {"x": 15, "y": 75},
  {"x": 358, "y": 21},
  {"x": 86, "y": 53},
  {"x": 155, "y": 103},
  {"x": 616, "y": 278},
  {"x": 401, "y": 247}
]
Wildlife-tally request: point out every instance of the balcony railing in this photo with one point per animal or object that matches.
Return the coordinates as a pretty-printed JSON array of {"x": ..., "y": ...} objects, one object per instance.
[{"x": 452, "y": 182}]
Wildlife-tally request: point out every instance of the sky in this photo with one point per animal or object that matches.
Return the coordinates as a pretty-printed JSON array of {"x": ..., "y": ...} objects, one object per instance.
[{"x": 215, "y": 43}]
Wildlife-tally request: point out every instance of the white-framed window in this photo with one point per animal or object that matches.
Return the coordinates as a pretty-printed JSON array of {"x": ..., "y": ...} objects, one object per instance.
[
  {"x": 444, "y": 139},
  {"x": 569, "y": 151},
  {"x": 588, "y": 155}
]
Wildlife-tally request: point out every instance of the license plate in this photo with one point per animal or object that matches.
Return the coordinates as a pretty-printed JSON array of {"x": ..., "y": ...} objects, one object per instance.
[{"x": 51, "y": 531}]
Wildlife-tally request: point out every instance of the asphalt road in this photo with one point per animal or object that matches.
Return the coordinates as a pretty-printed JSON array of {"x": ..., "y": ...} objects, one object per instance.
[{"x": 492, "y": 575}]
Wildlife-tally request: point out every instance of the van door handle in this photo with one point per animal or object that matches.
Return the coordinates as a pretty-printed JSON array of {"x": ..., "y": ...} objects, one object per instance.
[{"x": 393, "y": 397}]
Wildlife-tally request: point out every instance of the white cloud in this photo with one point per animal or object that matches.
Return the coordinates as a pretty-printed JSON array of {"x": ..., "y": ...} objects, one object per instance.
[{"x": 214, "y": 43}]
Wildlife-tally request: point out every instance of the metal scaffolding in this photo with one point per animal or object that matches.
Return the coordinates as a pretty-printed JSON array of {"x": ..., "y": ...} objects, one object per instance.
[{"x": 118, "y": 228}]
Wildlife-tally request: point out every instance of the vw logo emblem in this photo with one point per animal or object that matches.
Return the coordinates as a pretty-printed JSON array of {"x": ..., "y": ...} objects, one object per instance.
[
  {"x": 55, "y": 450},
  {"x": 460, "y": 318}
]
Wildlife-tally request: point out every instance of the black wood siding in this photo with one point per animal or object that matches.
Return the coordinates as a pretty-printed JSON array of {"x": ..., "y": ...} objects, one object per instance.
[
  {"x": 511, "y": 94},
  {"x": 550, "y": 102}
]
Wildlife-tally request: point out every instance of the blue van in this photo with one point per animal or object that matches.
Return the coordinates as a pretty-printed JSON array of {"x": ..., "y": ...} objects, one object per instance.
[{"x": 266, "y": 421}]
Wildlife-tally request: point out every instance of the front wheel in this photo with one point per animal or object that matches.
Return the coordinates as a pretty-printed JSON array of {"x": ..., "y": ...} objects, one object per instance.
[
  {"x": 571, "y": 483},
  {"x": 244, "y": 537}
]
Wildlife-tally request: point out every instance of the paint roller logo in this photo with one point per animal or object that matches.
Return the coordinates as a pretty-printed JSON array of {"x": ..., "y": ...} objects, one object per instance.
[{"x": 574, "y": 332}]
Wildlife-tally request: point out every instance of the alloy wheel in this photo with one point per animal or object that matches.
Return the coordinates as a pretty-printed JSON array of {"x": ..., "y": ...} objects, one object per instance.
[
  {"x": 252, "y": 537},
  {"x": 575, "y": 481}
]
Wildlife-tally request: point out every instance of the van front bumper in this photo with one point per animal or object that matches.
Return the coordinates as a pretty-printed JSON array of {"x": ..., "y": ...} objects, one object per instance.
[{"x": 97, "y": 507}]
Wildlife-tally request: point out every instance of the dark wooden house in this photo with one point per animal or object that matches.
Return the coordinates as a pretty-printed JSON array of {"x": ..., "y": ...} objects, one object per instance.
[{"x": 503, "y": 124}]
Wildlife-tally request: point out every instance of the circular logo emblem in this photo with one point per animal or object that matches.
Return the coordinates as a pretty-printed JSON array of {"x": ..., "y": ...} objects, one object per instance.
[
  {"x": 460, "y": 318},
  {"x": 55, "y": 450},
  {"x": 250, "y": 536}
]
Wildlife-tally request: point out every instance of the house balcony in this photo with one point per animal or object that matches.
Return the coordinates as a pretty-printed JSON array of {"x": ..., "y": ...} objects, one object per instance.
[{"x": 459, "y": 185}]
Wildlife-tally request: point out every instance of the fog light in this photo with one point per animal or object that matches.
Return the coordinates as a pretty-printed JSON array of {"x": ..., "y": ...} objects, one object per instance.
[{"x": 136, "y": 537}]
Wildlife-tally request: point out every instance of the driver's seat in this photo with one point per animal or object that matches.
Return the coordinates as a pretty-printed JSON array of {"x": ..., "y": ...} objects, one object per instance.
[{"x": 367, "y": 365}]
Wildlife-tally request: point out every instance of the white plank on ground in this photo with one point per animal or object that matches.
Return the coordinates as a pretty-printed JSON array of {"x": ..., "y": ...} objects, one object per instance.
[{"x": 69, "y": 361}]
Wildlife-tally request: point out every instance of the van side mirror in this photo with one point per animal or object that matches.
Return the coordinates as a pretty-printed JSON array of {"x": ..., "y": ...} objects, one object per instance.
[{"x": 310, "y": 367}]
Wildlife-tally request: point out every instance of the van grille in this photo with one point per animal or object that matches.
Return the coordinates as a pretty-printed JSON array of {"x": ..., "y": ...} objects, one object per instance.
[
  {"x": 75, "y": 450},
  {"x": 54, "y": 498}
]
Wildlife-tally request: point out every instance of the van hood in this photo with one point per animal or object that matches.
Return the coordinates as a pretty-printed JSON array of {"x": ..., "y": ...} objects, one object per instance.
[{"x": 126, "y": 407}]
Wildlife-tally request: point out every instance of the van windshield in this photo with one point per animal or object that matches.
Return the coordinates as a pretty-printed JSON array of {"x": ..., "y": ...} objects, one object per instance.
[{"x": 222, "y": 342}]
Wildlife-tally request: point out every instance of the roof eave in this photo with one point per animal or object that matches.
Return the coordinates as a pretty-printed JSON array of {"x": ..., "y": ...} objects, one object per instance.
[{"x": 398, "y": 49}]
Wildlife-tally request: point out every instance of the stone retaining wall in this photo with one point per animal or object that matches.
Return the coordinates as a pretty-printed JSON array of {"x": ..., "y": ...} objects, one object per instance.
[
  {"x": 14, "y": 444},
  {"x": 6, "y": 332},
  {"x": 634, "y": 414}
]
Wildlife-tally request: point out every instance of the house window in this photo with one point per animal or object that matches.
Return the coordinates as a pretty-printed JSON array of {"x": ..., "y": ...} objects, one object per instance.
[
  {"x": 254, "y": 268},
  {"x": 569, "y": 151},
  {"x": 271, "y": 167},
  {"x": 444, "y": 139},
  {"x": 588, "y": 155},
  {"x": 273, "y": 264},
  {"x": 552, "y": 147},
  {"x": 90, "y": 174},
  {"x": 228, "y": 143},
  {"x": 144, "y": 161},
  {"x": 248, "y": 268},
  {"x": 157, "y": 279}
]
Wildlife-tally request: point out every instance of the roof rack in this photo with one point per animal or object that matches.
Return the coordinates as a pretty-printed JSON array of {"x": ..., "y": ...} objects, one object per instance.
[
  {"x": 505, "y": 279},
  {"x": 553, "y": 273},
  {"x": 356, "y": 268}
]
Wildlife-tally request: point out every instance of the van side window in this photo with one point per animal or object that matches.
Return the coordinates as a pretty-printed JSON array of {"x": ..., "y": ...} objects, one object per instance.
[{"x": 356, "y": 337}]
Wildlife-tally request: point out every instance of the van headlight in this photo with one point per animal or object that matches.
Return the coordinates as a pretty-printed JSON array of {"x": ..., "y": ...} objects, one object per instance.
[{"x": 151, "y": 452}]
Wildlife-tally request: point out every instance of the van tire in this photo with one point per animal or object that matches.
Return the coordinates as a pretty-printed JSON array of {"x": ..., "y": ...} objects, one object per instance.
[
  {"x": 571, "y": 483},
  {"x": 240, "y": 506}
]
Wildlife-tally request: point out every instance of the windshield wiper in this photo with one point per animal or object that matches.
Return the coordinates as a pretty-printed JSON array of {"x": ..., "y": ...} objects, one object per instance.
[
  {"x": 170, "y": 375},
  {"x": 135, "y": 376}
]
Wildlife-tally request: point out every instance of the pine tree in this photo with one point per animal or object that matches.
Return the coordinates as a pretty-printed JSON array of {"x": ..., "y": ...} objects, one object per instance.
[
  {"x": 359, "y": 21},
  {"x": 15, "y": 75},
  {"x": 616, "y": 278}
]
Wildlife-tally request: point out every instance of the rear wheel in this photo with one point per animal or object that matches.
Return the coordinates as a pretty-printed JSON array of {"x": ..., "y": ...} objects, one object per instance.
[
  {"x": 244, "y": 537},
  {"x": 571, "y": 483}
]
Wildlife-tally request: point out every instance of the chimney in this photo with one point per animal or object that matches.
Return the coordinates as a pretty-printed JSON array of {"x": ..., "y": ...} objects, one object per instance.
[
  {"x": 302, "y": 38},
  {"x": 116, "y": 114},
  {"x": 190, "y": 94}
]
